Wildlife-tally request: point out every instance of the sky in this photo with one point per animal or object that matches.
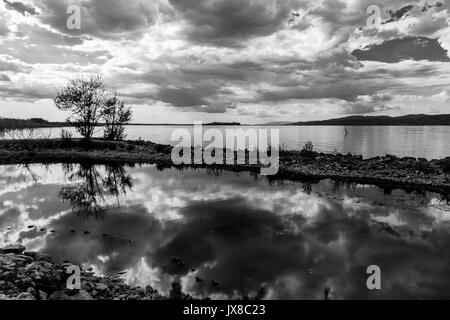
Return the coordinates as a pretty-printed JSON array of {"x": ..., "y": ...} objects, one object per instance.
[{"x": 253, "y": 61}]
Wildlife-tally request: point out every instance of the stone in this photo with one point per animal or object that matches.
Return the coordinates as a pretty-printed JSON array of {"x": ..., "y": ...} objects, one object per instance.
[
  {"x": 25, "y": 296},
  {"x": 149, "y": 289},
  {"x": 139, "y": 291},
  {"x": 101, "y": 287},
  {"x": 58, "y": 295},
  {"x": 42, "y": 295},
  {"x": 6, "y": 260},
  {"x": 82, "y": 295},
  {"x": 25, "y": 258},
  {"x": 31, "y": 291},
  {"x": 13, "y": 248},
  {"x": 42, "y": 257}
]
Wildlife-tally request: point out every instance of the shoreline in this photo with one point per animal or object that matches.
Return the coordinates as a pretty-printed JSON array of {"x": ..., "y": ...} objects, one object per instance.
[
  {"x": 27, "y": 275},
  {"x": 387, "y": 172}
]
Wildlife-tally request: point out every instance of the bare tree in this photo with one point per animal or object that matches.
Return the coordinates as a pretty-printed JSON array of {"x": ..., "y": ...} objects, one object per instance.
[
  {"x": 116, "y": 115},
  {"x": 85, "y": 100}
]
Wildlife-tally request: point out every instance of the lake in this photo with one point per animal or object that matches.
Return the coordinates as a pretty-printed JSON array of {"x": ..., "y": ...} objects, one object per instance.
[
  {"x": 253, "y": 236},
  {"x": 429, "y": 142}
]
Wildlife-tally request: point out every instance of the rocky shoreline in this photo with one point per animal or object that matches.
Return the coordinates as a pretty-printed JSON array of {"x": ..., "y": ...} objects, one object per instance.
[
  {"x": 387, "y": 171},
  {"x": 28, "y": 275}
]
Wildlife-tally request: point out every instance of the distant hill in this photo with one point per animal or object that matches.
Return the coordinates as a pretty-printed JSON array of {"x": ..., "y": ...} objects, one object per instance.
[
  {"x": 222, "y": 124},
  {"x": 408, "y": 120},
  {"x": 7, "y": 123}
]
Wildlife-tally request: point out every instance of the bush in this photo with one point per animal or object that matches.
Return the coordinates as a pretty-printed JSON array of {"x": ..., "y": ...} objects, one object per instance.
[
  {"x": 116, "y": 115},
  {"x": 66, "y": 135},
  {"x": 445, "y": 165},
  {"x": 424, "y": 166},
  {"x": 308, "y": 147}
]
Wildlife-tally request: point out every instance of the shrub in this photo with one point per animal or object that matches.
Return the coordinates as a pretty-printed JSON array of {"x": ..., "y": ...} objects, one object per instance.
[
  {"x": 445, "y": 165},
  {"x": 308, "y": 147},
  {"x": 66, "y": 135},
  {"x": 116, "y": 115},
  {"x": 424, "y": 166}
]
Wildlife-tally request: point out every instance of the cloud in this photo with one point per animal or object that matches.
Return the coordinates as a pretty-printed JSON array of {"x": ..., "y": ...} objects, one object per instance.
[
  {"x": 415, "y": 48},
  {"x": 4, "y": 77},
  {"x": 229, "y": 22},
  {"x": 230, "y": 58},
  {"x": 4, "y": 30},
  {"x": 368, "y": 104},
  {"x": 20, "y": 7},
  {"x": 109, "y": 19},
  {"x": 183, "y": 97}
]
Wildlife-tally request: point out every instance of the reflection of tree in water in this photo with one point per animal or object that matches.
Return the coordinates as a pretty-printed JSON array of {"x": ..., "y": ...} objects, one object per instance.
[
  {"x": 444, "y": 197},
  {"x": 88, "y": 196},
  {"x": 307, "y": 188}
]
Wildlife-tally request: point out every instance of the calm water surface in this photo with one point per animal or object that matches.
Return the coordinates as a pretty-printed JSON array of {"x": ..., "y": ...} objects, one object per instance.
[
  {"x": 415, "y": 141},
  {"x": 292, "y": 239}
]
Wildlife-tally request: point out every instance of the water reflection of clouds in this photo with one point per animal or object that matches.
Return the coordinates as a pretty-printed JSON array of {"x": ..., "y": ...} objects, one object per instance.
[{"x": 241, "y": 232}]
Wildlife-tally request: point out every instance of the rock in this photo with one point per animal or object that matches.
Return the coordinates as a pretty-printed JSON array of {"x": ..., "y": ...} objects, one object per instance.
[
  {"x": 25, "y": 296},
  {"x": 31, "y": 291},
  {"x": 149, "y": 289},
  {"x": 101, "y": 287},
  {"x": 139, "y": 291},
  {"x": 78, "y": 295},
  {"x": 13, "y": 248},
  {"x": 30, "y": 254},
  {"x": 82, "y": 295},
  {"x": 58, "y": 295},
  {"x": 42, "y": 257},
  {"x": 42, "y": 295},
  {"x": 6, "y": 260}
]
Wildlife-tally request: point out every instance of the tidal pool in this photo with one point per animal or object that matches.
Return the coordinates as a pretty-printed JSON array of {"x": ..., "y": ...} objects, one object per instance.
[{"x": 230, "y": 235}]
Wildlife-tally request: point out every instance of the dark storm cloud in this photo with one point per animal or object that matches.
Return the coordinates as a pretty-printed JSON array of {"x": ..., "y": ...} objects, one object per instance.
[
  {"x": 20, "y": 7},
  {"x": 414, "y": 48},
  {"x": 404, "y": 11},
  {"x": 102, "y": 18},
  {"x": 184, "y": 97},
  {"x": 228, "y": 22}
]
